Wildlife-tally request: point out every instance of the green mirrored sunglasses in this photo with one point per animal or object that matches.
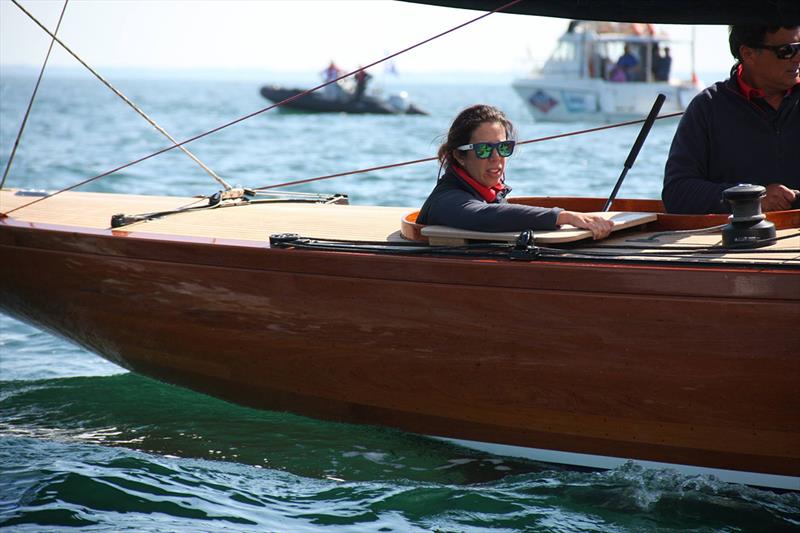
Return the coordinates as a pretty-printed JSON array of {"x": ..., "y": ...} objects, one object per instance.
[{"x": 484, "y": 150}]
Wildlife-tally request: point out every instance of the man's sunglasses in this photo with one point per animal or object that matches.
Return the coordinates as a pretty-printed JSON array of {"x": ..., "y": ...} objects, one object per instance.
[
  {"x": 781, "y": 51},
  {"x": 484, "y": 150}
]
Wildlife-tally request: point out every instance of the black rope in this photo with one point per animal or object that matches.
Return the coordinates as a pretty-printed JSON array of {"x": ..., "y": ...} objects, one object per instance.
[
  {"x": 33, "y": 96},
  {"x": 294, "y": 241},
  {"x": 526, "y": 251}
]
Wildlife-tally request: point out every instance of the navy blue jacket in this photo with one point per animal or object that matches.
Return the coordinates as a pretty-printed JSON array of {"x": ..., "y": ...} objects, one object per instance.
[
  {"x": 724, "y": 139},
  {"x": 453, "y": 202}
]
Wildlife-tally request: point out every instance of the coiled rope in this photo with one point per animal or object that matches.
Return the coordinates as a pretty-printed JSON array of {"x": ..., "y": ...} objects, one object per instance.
[{"x": 242, "y": 118}]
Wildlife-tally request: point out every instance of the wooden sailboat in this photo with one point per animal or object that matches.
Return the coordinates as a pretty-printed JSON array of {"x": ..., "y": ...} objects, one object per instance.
[
  {"x": 657, "y": 355},
  {"x": 656, "y": 344}
]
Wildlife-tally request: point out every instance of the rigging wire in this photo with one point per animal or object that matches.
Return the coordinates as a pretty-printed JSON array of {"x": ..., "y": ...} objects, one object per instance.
[
  {"x": 370, "y": 169},
  {"x": 33, "y": 96},
  {"x": 245, "y": 117},
  {"x": 161, "y": 130},
  {"x": 405, "y": 163}
]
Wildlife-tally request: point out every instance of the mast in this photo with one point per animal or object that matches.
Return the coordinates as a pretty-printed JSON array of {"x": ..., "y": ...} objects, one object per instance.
[{"x": 695, "y": 81}]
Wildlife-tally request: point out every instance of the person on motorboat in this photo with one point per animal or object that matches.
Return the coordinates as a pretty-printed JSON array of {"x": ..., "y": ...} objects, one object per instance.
[
  {"x": 662, "y": 64},
  {"x": 628, "y": 64},
  {"x": 471, "y": 194},
  {"x": 333, "y": 91},
  {"x": 362, "y": 78},
  {"x": 745, "y": 129}
]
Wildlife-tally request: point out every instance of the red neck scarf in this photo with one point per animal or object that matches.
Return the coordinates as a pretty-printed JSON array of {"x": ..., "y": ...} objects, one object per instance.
[{"x": 488, "y": 193}]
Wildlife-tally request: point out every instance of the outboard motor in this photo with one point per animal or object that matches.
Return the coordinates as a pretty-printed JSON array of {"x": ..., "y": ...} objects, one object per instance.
[
  {"x": 399, "y": 102},
  {"x": 747, "y": 226}
]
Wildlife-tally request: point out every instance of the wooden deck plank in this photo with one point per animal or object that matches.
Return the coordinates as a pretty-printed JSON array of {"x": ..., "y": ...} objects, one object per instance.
[
  {"x": 330, "y": 221},
  {"x": 665, "y": 242},
  {"x": 86, "y": 209},
  {"x": 254, "y": 222}
]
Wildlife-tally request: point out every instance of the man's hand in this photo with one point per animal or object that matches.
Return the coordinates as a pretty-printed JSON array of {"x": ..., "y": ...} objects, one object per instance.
[{"x": 778, "y": 198}]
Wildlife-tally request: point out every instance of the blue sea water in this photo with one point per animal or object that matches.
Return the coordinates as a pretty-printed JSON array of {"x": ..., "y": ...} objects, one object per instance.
[{"x": 85, "y": 444}]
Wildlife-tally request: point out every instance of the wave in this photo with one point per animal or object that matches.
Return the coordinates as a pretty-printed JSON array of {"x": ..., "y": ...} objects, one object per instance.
[{"x": 97, "y": 451}]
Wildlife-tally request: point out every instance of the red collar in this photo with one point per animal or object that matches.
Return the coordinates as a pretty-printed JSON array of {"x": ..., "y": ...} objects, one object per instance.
[
  {"x": 748, "y": 91},
  {"x": 751, "y": 92},
  {"x": 488, "y": 193}
]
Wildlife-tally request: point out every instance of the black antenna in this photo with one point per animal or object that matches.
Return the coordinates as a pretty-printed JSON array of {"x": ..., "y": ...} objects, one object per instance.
[{"x": 648, "y": 123}]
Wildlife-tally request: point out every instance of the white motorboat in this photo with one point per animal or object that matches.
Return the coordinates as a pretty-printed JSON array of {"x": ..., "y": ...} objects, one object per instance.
[{"x": 581, "y": 81}]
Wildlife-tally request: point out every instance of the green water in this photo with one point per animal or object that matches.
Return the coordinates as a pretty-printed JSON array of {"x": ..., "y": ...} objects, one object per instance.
[{"x": 124, "y": 452}]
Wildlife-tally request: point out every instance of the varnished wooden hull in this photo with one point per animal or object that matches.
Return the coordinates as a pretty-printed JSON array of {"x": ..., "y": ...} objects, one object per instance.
[{"x": 695, "y": 365}]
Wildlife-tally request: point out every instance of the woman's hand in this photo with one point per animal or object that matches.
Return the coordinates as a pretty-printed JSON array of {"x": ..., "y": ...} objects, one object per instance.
[{"x": 599, "y": 226}]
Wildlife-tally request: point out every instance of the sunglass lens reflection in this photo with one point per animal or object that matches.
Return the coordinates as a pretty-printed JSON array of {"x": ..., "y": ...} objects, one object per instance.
[
  {"x": 787, "y": 51},
  {"x": 505, "y": 149},
  {"x": 483, "y": 150}
]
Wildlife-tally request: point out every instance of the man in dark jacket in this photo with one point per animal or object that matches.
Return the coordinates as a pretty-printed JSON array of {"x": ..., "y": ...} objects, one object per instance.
[{"x": 745, "y": 129}]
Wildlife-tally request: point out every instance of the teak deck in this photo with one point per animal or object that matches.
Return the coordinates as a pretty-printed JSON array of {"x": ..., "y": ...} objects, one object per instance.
[
  {"x": 245, "y": 223},
  {"x": 253, "y": 224}
]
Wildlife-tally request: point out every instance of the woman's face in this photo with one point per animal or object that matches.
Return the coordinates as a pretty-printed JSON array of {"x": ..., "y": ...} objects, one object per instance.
[{"x": 488, "y": 172}]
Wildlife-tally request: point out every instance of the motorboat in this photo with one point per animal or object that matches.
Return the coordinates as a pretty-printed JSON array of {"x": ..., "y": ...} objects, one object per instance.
[
  {"x": 582, "y": 82},
  {"x": 340, "y": 101}
]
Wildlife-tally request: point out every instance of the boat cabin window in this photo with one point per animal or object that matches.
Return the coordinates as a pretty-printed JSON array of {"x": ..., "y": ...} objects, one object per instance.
[
  {"x": 591, "y": 56},
  {"x": 565, "y": 51},
  {"x": 599, "y": 63},
  {"x": 640, "y": 50},
  {"x": 614, "y": 50},
  {"x": 564, "y": 59}
]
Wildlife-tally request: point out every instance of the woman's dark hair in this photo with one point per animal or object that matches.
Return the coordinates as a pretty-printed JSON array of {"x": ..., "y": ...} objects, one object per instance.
[
  {"x": 467, "y": 122},
  {"x": 749, "y": 35}
]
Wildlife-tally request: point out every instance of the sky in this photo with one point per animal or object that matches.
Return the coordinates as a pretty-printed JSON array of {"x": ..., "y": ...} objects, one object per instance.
[{"x": 235, "y": 36}]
